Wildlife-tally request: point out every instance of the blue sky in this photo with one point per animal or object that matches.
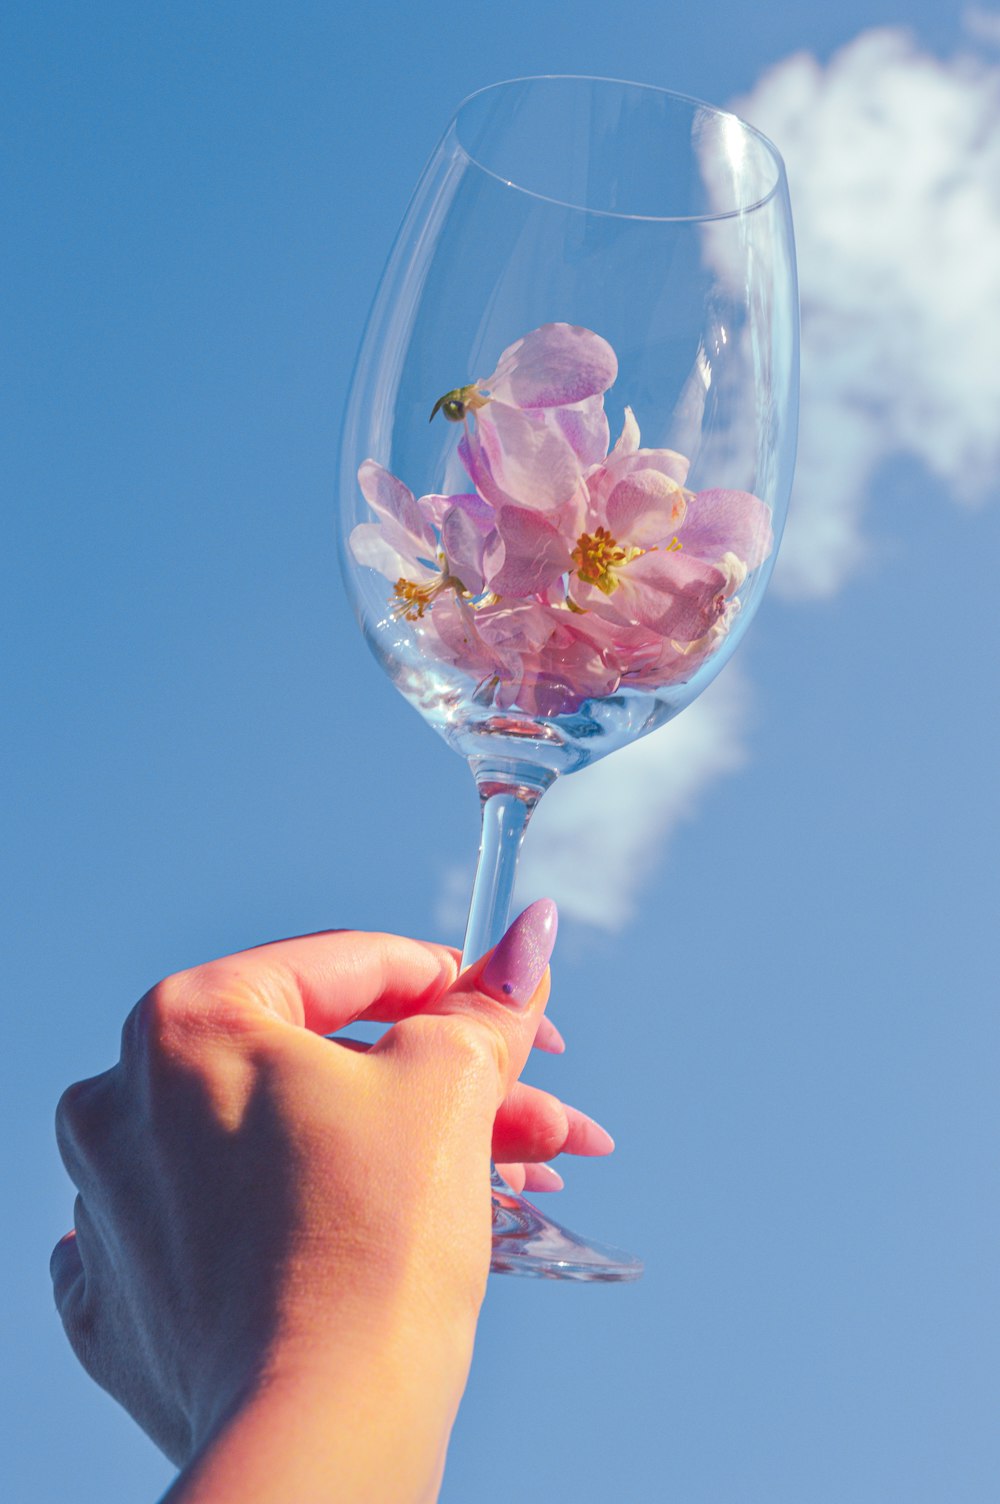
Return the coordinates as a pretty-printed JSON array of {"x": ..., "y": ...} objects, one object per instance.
[{"x": 783, "y": 1000}]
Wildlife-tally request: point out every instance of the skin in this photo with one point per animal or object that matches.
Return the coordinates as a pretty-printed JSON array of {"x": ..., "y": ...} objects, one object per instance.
[{"x": 281, "y": 1245}]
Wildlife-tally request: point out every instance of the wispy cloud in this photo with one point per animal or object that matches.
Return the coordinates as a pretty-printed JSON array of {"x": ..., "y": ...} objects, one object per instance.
[
  {"x": 894, "y": 165},
  {"x": 982, "y": 24},
  {"x": 596, "y": 837}
]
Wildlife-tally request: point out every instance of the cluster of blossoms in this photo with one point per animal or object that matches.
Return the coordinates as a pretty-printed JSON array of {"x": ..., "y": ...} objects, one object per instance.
[{"x": 566, "y": 571}]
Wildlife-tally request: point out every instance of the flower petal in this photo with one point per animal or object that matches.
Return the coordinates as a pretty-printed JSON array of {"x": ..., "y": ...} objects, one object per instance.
[
  {"x": 619, "y": 465},
  {"x": 720, "y": 522},
  {"x": 528, "y": 456},
  {"x": 371, "y": 547},
  {"x": 646, "y": 508},
  {"x": 627, "y": 441},
  {"x": 673, "y": 595},
  {"x": 585, "y": 425},
  {"x": 522, "y": 628},
  {"x": 553, "y": 366},
  {"x": 397, "y": 507},
  {"x": 465, "y": 528},
  {"x": 434, "y": 506},
  {"x": 473, "y": 457},
  {"x": 526, "y": 555}
]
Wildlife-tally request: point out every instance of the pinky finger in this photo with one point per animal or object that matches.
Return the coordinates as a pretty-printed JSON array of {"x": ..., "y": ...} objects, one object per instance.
[{"x": 531, "y": 1177}]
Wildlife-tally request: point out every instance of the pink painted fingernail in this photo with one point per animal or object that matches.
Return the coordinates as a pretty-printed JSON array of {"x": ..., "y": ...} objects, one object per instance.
[
  {"x": 538, "y": 1177},
  {"x": 518, "y": 963},
  {"x": 585, "y": 1136}
]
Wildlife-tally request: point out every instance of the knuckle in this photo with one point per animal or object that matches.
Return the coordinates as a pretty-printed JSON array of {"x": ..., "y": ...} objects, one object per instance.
[
  {"x": 550, "y": 1130},
  {"x": 68, "y": 1109},
  {"x": 185, "y": 1010},
  {"x": 80, "y": 1113},
  {"x": 474, "y": 1046},
  {"x": 158, "y": 1015}
]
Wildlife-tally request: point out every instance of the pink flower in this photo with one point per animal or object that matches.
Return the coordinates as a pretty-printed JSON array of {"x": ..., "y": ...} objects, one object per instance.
[
  {"x": 570, "y": 571},
  {"x": 527, "y": 654},
  {"x": 539, "y": 419},
  {"x": 425, "y": 547},
  {"x": 617, "y": 546}
]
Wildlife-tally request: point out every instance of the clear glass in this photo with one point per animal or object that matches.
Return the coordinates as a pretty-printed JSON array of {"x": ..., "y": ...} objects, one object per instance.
[{"x": 568, "y": 450}]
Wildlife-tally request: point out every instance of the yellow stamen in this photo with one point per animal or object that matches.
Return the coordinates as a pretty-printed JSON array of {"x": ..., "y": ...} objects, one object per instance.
[
  {"x": 410, "y": 600},
  {"x": 598, "y": 556}
]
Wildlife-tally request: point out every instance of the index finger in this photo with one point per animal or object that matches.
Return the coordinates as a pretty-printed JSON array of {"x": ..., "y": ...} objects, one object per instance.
[{"x": 324, "y": 981}]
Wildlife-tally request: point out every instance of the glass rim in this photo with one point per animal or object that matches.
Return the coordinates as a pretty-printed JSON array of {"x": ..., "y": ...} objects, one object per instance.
[{"x": 624, "y": 83}]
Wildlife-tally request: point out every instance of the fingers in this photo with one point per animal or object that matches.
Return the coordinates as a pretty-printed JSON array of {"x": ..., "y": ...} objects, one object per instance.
[
  {"x": 531, "y": 1177},
  {"x": 318, "y": 982},
  {"x": 325, "y": 981},
  {"x": 81, "y": 1115},
  {"x": 534, "y": 1125},
  {"x": 548, "y": 1038},
  {"x": 502, "y": 998},
  {"x": 542, "y": 1178},
  {"x": 332, "y": 979}
]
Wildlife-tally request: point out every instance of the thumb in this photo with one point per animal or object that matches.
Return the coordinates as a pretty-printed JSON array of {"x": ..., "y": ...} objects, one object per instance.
[{"x": 500, "y": 998}]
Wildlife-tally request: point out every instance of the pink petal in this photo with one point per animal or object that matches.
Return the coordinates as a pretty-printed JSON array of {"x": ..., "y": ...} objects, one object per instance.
[
  {"x": 674, "y": 595},
  {"x": 526, "y": 555},
  {"x": 566, "y": 671},
  {"x": 528, "y": 456},
  {"x": 450, "y": 636},
  {"x": 465, "y": 528},
  {"x": 553, "y": 366},
  {"x": 372, "y": 548},
  {"x": 396, "y": 506},
  {"x": 473, "y": 457},
  {"x": 433, "y": 506},
  {"x": 522, "y": 628},
  {"x": 646, "y": 508},
  {"x": 720, "y": 522},
  {"x": 586, "y": 428},
  {"x": 628, "y": 440},
  {"x": 619, "y": 465}
]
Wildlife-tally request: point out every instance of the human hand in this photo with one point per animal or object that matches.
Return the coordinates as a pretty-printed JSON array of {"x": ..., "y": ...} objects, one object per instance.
[{"x": 263, "y": 1214}]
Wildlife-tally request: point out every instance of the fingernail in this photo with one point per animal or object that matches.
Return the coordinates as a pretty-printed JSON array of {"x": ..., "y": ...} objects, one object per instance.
[
  {"x": 585, "y": 1136},
  {"x": 539, "y": 1177},
  {"x": 518, "y": 963},
  {"x": 548, "y": 1037}
]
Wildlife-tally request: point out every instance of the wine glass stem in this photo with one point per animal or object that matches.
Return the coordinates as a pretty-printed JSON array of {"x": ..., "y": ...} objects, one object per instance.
[
  {"x": 506, "y": 810},
  {"x": 505, "y": 816}
]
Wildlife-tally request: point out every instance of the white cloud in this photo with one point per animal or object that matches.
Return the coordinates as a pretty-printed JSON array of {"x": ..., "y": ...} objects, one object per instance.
[
  {"x": 596, "y": 837},
  {"x": 894, "y": 165}
]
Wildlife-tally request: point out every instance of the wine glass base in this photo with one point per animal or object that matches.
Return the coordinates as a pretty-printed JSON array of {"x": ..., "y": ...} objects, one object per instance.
[{"x": 527, "y": 1242}]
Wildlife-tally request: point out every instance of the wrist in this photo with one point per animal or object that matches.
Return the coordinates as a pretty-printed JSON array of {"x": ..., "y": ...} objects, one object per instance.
[{"x": 361, "y": 1401}]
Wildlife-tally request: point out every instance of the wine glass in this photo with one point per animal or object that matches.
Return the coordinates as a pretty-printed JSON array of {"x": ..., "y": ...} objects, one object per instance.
[{"x": 567, "y": 454}]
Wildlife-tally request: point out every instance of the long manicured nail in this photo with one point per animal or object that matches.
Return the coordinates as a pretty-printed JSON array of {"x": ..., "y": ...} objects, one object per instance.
[
  {"x": 585, "y": 1136},
  {"x": 538, "y": 1177},
  {"x": 518, "y": 963},
  {"x": 548, "y": 1038}
]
